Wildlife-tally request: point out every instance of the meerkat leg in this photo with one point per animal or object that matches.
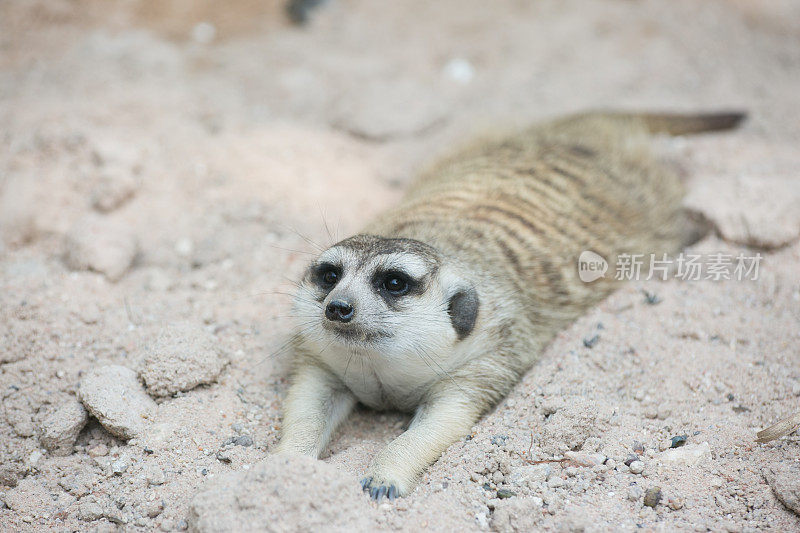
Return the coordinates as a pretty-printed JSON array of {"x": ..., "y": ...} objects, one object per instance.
[
  {"x": 452, "y": 407},
  {"x": 315, "y": 406},
  {"x": 434, "y": 427}
]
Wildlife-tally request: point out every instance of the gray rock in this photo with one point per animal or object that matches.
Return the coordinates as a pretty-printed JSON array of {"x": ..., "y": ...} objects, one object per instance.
[
  {"x": 114, "y": 396},
  {"x": 89, "y": 511},
  {"x": 119, "y": 466},
  {"x": 61, "y": 427},
  {"x": 19, "y": 415},
  {"x": 182, "y": 357},
  {"x": 784, "y": 479},
  {"x": 101, "y": 245}
]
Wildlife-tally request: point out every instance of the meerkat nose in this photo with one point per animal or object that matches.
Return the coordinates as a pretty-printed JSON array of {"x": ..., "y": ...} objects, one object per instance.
[{"x": 339, "y": 311}]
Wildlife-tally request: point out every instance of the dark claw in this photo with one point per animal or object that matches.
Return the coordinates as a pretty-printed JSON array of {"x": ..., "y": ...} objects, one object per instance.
[
  {"x": 378, "y": 492},
  {"x": 365, "y": 483}
]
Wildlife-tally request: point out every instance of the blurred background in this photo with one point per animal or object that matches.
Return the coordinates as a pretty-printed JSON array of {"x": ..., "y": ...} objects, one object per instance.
[{"x": 205, "y": 102}]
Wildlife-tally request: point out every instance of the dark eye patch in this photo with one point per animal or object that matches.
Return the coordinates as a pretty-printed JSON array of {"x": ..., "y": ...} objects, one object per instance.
[
  {"x": 392, "y": 284},
  {"x": 326, "y": 275},
  {"x": 396, "y": 284}
]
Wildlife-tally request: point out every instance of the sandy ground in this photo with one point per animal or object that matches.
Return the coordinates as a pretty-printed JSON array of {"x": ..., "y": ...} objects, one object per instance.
[{"x": 168, "y": 166}]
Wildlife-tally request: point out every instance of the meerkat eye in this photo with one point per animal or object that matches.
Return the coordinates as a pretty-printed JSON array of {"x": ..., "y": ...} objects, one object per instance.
[
  {"x": 328, "y": 276},
  {"x": 396, "y": 284}
]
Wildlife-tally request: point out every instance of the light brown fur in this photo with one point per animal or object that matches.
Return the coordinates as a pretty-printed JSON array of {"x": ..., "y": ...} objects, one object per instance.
[{"x": 504, "y": 222}]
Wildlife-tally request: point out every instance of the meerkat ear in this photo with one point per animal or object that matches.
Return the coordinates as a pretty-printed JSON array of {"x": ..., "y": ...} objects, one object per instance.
[{"x": 463, "y": 311}]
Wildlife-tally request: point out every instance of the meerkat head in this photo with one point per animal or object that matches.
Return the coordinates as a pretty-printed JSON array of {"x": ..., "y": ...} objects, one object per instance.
[{"x": 390, "y": 296}]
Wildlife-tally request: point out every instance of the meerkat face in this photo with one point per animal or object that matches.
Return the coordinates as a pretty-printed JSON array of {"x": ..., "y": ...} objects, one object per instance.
[{"x": 389, "y": 296}]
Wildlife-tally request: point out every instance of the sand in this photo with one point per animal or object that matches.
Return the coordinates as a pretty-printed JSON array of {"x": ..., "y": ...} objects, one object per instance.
[{"x": 167, "y": 168}]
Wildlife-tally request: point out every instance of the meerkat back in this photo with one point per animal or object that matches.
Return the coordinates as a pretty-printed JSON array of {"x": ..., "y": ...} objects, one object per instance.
[{"x": 523, "y": 208}]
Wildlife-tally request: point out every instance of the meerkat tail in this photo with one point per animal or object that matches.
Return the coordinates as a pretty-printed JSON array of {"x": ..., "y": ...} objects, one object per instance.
[{"x": 686, "y": 124}]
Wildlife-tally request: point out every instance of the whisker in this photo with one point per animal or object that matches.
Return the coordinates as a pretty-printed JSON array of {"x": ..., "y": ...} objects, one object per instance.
[
  {"x": 308, "y": 240},
  {"x": 325, "y": 223},
  {"x": 288, "y": 344},
  {"x": 291, "y": 250},
  {"x": 446, "y": 373}
]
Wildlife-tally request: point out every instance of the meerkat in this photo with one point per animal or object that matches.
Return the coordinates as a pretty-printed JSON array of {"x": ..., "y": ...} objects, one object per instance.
[{"x": 440, "y": 305}]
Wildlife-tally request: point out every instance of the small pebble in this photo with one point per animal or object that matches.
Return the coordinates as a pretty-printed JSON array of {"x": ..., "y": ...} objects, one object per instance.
[
  {"x": 115, "y": 516},
  {"x": 243, "y": 440},
  {"x": 652, "y": 496},
  {"x": 631, "y": 458},
  {"x": 499, "y": 440},
  {"x": 98, "y": 450},
  {"x": 155, "y": 476},
  {"x": 589, "y": 342},
  {"x": 637, "y": 467},
  {"x": 651, "y": 298},
  {"x": 119, "y": 467},
  {"x": 153, "y": 509},
  {"x": 635, "y": 493},
  {"x": 675, "y": 503},
  {"x": 678, "y": 441}
]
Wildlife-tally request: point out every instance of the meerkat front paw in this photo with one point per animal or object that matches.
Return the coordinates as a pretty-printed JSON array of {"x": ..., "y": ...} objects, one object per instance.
[{"x": 379, "y": 486}]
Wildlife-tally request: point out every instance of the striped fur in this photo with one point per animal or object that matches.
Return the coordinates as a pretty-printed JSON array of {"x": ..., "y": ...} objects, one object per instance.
[{"x": 500, "y": 224}]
